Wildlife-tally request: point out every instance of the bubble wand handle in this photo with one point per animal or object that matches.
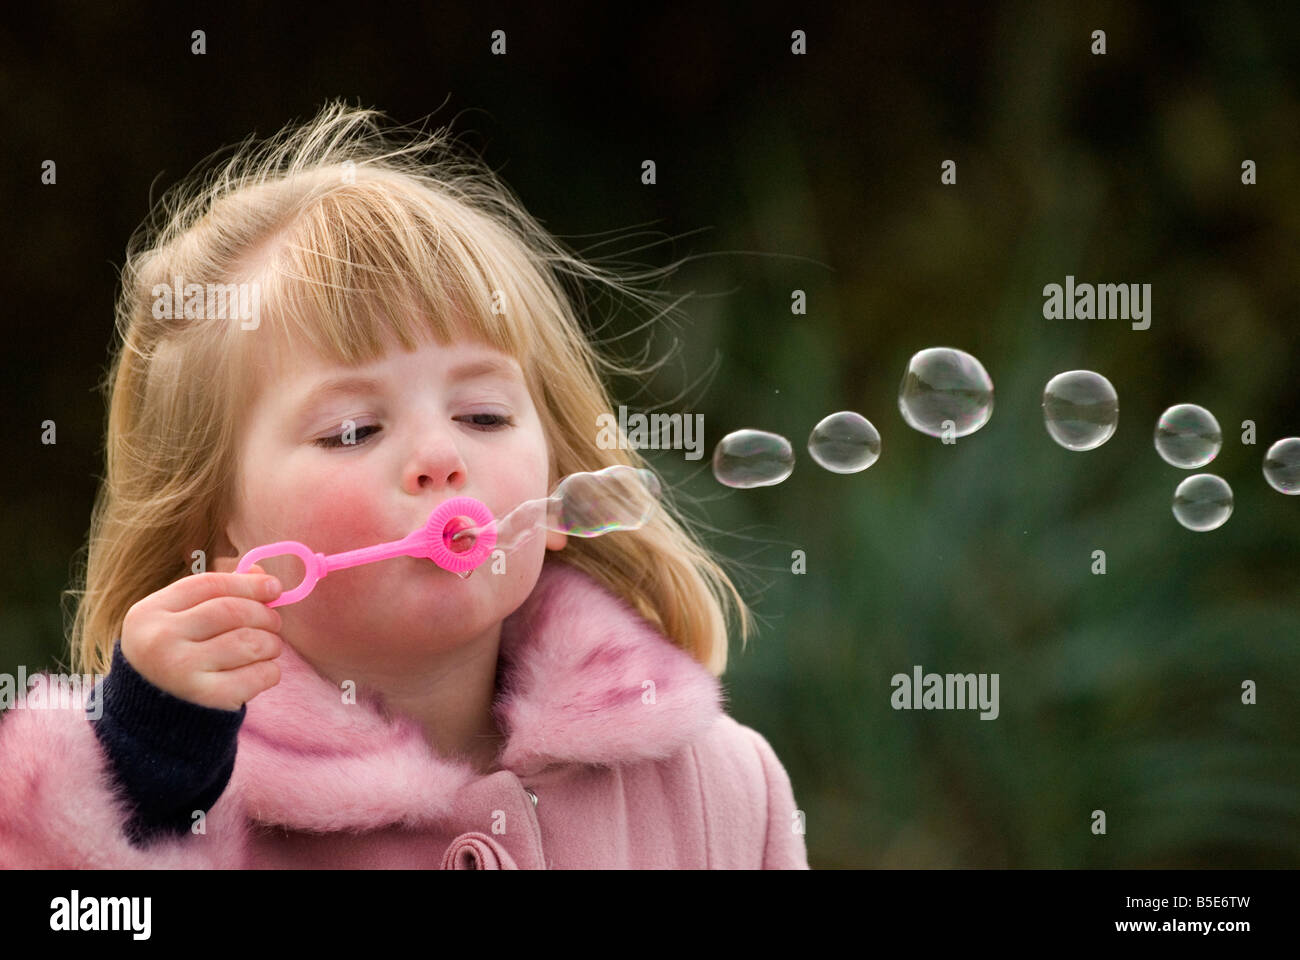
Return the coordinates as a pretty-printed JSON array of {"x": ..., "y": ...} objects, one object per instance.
[{"x": 314, "y": 567}]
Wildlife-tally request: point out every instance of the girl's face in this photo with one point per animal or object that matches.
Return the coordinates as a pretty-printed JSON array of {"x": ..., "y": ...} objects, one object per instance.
[{"x": 431, "y": 424}]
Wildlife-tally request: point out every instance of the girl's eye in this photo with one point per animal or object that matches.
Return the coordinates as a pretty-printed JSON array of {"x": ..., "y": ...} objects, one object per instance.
[
  {"x": 358, "y": 436},
  {"x": 488, "y": 421}
]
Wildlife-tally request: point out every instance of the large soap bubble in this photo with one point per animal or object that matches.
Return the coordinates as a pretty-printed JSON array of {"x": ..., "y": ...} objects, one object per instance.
[
  {"x": 1282, "y": 466},
  {"x": 1203, "y": 502},
  {"x": 1188, "y": 436},
  {"x": 943, "y": 384},
  {"x": 1080, "y": 409},
  {"x": 752, "y": 458},
  {"x": 844, "y": 442}
]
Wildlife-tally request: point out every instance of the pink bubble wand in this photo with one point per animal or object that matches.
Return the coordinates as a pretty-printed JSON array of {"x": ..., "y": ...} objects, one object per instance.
[
  {"x": 583, "y": 505},
  {"x": 432, "y": 540}
]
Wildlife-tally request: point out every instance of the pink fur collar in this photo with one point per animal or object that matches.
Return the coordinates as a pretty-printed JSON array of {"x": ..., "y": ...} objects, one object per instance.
[{"x": 575, "y": 661}]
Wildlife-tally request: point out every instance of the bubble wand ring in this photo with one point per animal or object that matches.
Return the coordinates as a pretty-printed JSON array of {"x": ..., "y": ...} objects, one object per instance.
[
  {"x": 430, "y": 541},
  {"x": 440, "y": 520}
]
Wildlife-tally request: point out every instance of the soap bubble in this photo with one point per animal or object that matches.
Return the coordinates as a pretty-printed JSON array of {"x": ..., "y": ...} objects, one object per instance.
[
  {"x": 752, "y": 458},
  {"x": 587, "y": 504},
  {"x": 616, "y": 498},
  {"x": 1282, "y": 466},
  {"x": 942, "y": 383},
  {"x": 1203, "y": 502},
  {"x": 1080, "y": 409},
  {"x": 1188, "y": 436},
  {"x": 844, "y": 442}
]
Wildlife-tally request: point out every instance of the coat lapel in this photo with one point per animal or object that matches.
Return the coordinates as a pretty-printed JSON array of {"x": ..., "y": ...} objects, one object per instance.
[{"x": 583, "y": 678}]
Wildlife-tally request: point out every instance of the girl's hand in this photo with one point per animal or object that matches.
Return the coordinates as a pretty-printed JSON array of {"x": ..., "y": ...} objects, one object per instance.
[{"x": 208, "y": 638}]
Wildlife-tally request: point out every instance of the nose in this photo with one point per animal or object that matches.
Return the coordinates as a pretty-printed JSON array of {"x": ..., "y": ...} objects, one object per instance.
[{"x": 435, "y": 462}]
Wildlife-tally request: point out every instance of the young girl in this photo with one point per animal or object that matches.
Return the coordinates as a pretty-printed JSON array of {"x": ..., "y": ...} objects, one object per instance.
[{"x": 402, "y": 336}]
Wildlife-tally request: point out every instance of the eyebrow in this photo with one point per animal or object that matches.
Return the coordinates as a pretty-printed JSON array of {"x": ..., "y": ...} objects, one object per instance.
[
  {"x": 354, "y": 384},
  {"x": 486, "y": 367}
]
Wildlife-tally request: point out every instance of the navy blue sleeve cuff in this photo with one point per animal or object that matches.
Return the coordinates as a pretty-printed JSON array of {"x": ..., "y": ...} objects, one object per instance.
[{"x": 172, "y": 757}]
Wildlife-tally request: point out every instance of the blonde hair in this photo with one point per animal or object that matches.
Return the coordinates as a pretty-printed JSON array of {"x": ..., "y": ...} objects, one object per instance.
[{"x": 351, "y": 235}]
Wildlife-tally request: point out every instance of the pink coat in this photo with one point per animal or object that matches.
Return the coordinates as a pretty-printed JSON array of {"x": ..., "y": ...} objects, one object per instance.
[{"x": 591, "y": 775}]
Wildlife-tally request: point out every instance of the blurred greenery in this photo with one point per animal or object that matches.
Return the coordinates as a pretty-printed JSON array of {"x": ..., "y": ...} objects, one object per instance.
[{"x": 1119, "y": 692}]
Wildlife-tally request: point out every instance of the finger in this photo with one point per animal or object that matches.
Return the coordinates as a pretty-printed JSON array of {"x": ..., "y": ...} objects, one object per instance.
[
  {"x": 193, "y": 590},
  {"x": 238, "y": 648},
  {"x": 234, "y": 688},
  {"x": 211, "y": 618}
]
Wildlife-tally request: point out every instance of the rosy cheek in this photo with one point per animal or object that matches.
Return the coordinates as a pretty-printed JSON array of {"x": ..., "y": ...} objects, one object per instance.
[{"x": 343, "y": 513}]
